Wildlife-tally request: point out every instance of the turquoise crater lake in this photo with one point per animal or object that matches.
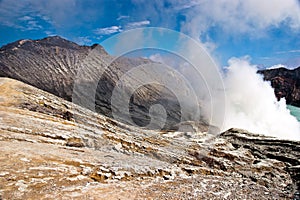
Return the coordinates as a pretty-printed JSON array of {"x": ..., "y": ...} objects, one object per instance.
[{"x": 295, "y": 111}]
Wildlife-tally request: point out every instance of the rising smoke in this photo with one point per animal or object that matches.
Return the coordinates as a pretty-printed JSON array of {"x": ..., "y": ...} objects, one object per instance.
[
  {"x": 250, "y": 102},
  {"x": 252, "y": 105}
]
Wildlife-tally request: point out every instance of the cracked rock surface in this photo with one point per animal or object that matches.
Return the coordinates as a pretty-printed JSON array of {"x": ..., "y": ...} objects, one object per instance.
[{"x": 53, "y": 149}]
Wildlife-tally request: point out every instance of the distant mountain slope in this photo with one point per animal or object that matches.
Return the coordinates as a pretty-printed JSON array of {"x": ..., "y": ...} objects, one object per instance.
[
  {"x": 51, "y": 64},
  {"x": 285, "y": 82}
]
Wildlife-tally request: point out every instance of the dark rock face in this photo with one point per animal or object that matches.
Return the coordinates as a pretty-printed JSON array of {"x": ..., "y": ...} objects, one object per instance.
[
  {"x": 285, "y": 82},
  {"x": 52, "y": 64}
]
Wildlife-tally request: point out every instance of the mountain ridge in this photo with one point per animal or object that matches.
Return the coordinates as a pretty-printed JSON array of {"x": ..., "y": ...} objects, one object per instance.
[{"x": 52, "y": 64}]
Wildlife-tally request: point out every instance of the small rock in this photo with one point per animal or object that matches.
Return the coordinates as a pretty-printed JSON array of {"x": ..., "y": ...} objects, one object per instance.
[
  {"x": 86, "y": 170},
  {"x": 75, "y": 142},
  {"x": 118, "y": 147},
  {"x": 25, "y": 159},
  {"x": 22, "y": 186},
  {"x": 3, "y": 173}
]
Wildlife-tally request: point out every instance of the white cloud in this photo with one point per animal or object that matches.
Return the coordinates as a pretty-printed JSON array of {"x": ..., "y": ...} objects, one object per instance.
[
  {"x": 240, "y": 16},
  {"x": 108, "y": 30},
  {"x": 27, "y": 23},
  {"x": 33, "y": 25},
  {"x": 137, "y": 24},
  {"x": 122, "y": 17},
  {"x": 49, "y": 33},
  {"x": 290, "y": 51},
  {"x": 57, "y": 13},
  {"x": 186, "y": 5},
  {"x": 117, "y": 29},
  {"x": 83, "y": 40},
  {"x": 10, "y": 13},
  {"x": 232, "y": 17},
  {"x": 25, "y": 18},
  {"x": 23, "y": 15}
]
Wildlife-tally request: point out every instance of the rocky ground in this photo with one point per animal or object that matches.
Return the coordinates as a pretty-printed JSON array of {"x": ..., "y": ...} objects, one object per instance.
[{"x": 53, "y": 149}]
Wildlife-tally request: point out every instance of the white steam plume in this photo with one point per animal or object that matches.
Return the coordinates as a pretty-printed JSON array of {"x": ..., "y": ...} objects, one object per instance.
[
  {"x": 250, "y": 101},
  {"x": 252, "y": 105}
]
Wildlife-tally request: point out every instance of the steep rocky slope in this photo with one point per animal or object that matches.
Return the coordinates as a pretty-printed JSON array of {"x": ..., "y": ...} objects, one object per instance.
[
  {"x": 53, "y": 149},
  {"x": 285, "y": 82},
  {"x": 53, "y": 64}
]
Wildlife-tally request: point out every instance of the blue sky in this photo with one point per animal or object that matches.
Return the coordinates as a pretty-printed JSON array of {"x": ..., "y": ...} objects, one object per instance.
[{"x": 267, "y": 31}]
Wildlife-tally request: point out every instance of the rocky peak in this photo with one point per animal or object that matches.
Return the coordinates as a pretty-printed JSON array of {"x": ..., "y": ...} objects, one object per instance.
[
  {"x": 52, "y": 41},
  {"x": 286, "y": 83},
  {"x": 100, "y": 49},
  {"x": 59, "y": 42}
]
